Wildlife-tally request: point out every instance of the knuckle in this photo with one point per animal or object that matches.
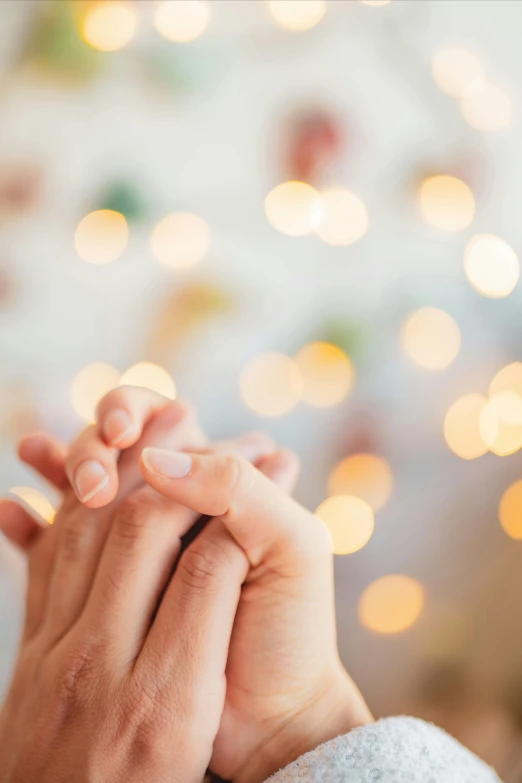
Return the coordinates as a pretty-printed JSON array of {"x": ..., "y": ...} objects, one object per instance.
[
  {"x": 236, "y": 476},
  {"x": 74, "y": 675},
  {"x": 130, "y": 523},
  {"x": 76, "y": 537},
  {"x": 205, "y": 564}
]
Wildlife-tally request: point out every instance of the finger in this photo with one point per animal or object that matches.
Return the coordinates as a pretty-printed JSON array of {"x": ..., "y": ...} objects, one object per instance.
[
  {"x": 41, "y": 557},
  {"x": 262, "y": 519},
  {"x": 92, "y": 465},
  {"x": 136, "y": 564},
  {"x": 82, "y": 532},
  {"x": 282, "y": 467},
  {"x": 185, "y": 654},
  {"x": 251, "y": 446},
  {"x": 18, "y": 525},
  {"x": 46, "y": 454}
]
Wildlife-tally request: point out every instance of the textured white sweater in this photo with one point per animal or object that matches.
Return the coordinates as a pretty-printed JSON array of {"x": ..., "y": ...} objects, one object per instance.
[{"x": 393, "y": 750}]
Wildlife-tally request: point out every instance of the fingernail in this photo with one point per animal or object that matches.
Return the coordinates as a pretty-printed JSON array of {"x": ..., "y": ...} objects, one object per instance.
[
  {"x": 89, "y": 479},
  {"x": 116, "y": 425},
  {"x": 171, "y": 464}
]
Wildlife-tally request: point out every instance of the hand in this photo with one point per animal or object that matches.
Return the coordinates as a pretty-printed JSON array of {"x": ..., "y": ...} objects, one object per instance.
[
  {"x": 286, "y": 689},
  {"x": 121, "y": 672},
  {"x": 109, "y": 684}
]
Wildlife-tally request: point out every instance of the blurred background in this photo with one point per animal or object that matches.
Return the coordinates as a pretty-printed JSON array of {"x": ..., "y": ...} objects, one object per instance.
[{"x": 305, "y": 217}]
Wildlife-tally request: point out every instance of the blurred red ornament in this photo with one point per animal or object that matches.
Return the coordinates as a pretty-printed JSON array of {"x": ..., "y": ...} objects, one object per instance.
[
  {"x": 20, "y": 190},
  {"x": 315, "y": 138}
]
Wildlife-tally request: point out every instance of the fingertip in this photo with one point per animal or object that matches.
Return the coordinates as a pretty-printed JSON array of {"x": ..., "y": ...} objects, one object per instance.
[
  {"x": 93, "y": 485},
  {"x": 118, "y": 429}
]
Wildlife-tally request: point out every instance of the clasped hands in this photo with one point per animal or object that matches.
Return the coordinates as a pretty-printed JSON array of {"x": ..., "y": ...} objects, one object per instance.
[{"x": 143, "y": 660}]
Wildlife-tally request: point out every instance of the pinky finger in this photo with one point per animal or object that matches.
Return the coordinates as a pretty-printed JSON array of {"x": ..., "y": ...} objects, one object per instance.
[
  {"x": 282, "y": 467},
  {"x": 46, "y": 455},
  {"x": 18, "y": 526}
]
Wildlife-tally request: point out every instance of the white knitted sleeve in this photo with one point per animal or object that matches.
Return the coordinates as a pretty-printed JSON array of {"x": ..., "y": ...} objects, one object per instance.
[{"x": 393, "y": 750}]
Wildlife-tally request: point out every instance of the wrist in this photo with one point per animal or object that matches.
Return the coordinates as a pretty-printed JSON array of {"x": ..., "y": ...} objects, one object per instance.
[{"x": 337, "y": 708}]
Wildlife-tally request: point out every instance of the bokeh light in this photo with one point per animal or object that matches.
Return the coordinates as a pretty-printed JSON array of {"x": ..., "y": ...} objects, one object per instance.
[
  {"x": 180, "y": 240},
  {"x": 298, "y": 15},
  {"x": 447, "y": 203},
  {"x": 462, "y": 426},
  {"x": 101, "y": 236},
  {"x": 508, "y": 379},
  {"x": 271, "y": 384},
  {"x": 350, "y": 522},
  {"x": 36, "y": 501},
  {"x": 150, "y": 376},
  {"x": 510, "y": 511},
  {"x": 457, "y": 71},
  {"x": 431, "y": 337},
  {"x": 488, "y": 109},
  {"x": 501, "y": 437},
  {"x": 345, "y": 219},
  {"x": 89, "y": 385},
  {"x": 391, "y": 604},
  {"x": 491, "y": 266},
  {"x": 109, "y": 25},
  {"x": 327, "y": 373},
  {"x": 376, "y": 3},
  {"x": 365, "y": 476},
  {"x": 182, "y": 21},
  {"x": 294, "y": 208}
]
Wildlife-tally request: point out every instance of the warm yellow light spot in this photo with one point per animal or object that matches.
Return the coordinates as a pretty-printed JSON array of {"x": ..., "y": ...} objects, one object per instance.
[
  {"x": 447, "y": 203},
  {"x": 489, "y": 109},
  {"x": 182, "y": 21},
  {"x": 297, "y": 15},
  {"x": 271, "y": 384},
  {"x": 501, "y": 437},
  {"x": 376, "y": 3},
  {"x": 462, "y": 426},
  {"x": 349, "y": 521},
  {"x": 101, "y": 236},
  {"x": 36, "y": 501},
  {"x": 391, "y": 604},
  {"x": 327, "y": 372},
  {"x": 508, "y": 407},
  {"x": 90, "y": 385},
  {"x": 508, "y": 379},
  {"x": 180, "y": 240},
  {"x": 365, "y": 476},
  {"x": 510, "y": 511},
  {"x": 491, "y": 266},
  {"x": 294, "y": 208},
  {"x": 431, "y": 338},
  {"x": 457, "y": 71},
  {"x": 150, "y": 376},
  {"x": 345, "y": 218},
  {"x": 110, "y": 25}
]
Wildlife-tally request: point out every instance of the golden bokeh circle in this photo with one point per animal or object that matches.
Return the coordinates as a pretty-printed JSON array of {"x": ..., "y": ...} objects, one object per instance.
[
  {"x": 447, "y": 202},
  {"x": 431, "y": 337},
  {"x": 149, "y": 375},
  {"x": 366, "y": 476},
  {"x": 294, "y": 208},
  {"x": 298, "y": 15},
  {"x": 182, "y": 21},
  {"x": 271, "y": 384},
  {"x": 180, "y": 240},
  {"x": 89, "y": 385},
  {"x": 349, "y": 520},
  {"x": 462, "y": 429},
  {"x": 345, "y": 218},
  {"x": 510, "y": 511},
  {"x": 101, "y": 236},
  {"x": 391, "y": 604},
  {"x": 327, "y": 372},
  {"x": 491, "y": 265},
  {"x": 36, "y": 501},
  {"x": 108, "y": 25}
]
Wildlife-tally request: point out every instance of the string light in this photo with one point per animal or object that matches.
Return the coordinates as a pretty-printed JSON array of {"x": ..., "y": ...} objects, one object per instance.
[
  {"x": 462, "y": 429},
  {"x": 508, "y": 379},
  {"x": 90, "y": 385},
  {"x": 294, "y": 208},
  {"x": 510, "y": 511},
  {"x": 501, "y": 437},
  {"x": 150, "y": 376},
  {"x": 349, "y": 521},
  {"x": 182, "y": 21},
  {"x": 457, "y": 71},
  {"x": 109, "y": 26},
  {"x": 431, "y": 338},
  {"x": 489, "y": 109},
  {"x": 447, "y": 203},
  {"x": 391, "y": 604},
  {"x": 299, "y": 15},
  {"x": 101, "y": 237},
  {"x": 271, "y": 384},
  {"x": 365, "y": 476},
  {"x": 180, "y": 240},
  {"x": 345, "y": 218},
  {"x": 327, "y": 373},
  {"x": 491, "y": 266},
  {"x": 36, "y": 501}
]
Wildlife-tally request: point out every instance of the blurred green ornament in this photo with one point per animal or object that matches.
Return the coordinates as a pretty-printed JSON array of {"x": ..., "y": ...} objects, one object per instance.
[
  {"x": 55, "y": 43},
  {"x": 126, "y": 197},
  {"x": 352, "y": 337}
]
